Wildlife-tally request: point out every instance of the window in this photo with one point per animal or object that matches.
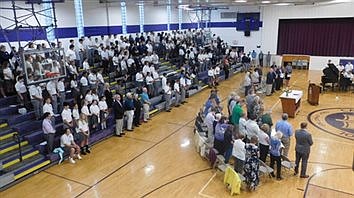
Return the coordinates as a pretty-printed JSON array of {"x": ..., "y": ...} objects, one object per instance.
[
  {"x": 48, "y": 21},
  {"x": 124, "y": 17},
  {"x": 180, "y": 15},
  {"x": 79, "y": 18},
  {"x": 141, "y": 17},
  {"x": 169, "y": 15}
]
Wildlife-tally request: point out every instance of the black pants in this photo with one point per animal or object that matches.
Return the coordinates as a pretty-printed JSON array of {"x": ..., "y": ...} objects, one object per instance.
[
  {"x": 277, "y": 159},
  {"x": 263, "y": 152},
  {"x": 304, "y": 157},
  {"x": 136, "y": 119}
]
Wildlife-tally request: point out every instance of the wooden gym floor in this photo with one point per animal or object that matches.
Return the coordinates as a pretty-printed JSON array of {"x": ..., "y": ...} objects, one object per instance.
[{"x": 159, "y": 159}]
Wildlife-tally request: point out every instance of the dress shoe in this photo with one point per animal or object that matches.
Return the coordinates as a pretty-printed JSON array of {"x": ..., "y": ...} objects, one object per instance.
[
  {"x": 304, "y": 176},
  {"x": 168, "y": 110},
  {"x": 119, "y": 135},
  {"x": 129, "y": 129},
  {"x": 178, "y": 105},
  {"x": 122, "y": 133}
]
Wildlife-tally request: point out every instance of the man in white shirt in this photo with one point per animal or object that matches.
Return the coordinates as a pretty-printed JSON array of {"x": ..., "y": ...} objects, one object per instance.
[
  {"x": 92, "y": 79},
  {"x": 183, "y": 87},
  {"x": 84, "y": 83},
  {"x": 167, "y": 96},
  {"x": 70, "y": 54},
  {"x": 52, "y": 90},
  {"x": 146, "y": 69},
  {"x": 100, "y": 82},
  {"x": 21, "y": 90},
  {"x": 164, "y": 80},
  {"x": 177, "y": 92},
  {"x": 252, "y": 127},
  {"x": 36, "y": 100},
  {"x": 62, "y": 93},
  {"x": 66, "y": 115},
  {"x": 139, "y": 79}
]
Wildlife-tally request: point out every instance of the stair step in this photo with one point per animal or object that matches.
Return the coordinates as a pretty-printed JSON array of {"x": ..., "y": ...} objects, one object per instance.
[
  {"x": 3, "y": 125},
  {"x": 31, "y": 168},
  {"x": 12, "y": 161},
  {"x": 11, "y": 147},
  {"x": 15, "y": 166},
  {"x": 7, "y": 136},
  {"x": 11, "y": 154}
]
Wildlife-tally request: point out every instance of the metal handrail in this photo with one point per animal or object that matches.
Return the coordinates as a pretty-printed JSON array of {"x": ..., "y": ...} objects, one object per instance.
[{"x": 17, "y": 139}]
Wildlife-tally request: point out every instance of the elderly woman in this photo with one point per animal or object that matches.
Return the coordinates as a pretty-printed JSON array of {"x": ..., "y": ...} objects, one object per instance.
[
  {"x": 251, "y": 168},
  {"x": 264, "y": 142},
  {"x": 275, "y": 153}
]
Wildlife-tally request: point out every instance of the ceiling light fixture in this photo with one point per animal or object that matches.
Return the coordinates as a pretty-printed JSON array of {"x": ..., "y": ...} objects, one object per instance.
[
  {"x": 265, "y": 2},
  {"x": 241, "y": 1},
  {"x": 282, "y": 4}
]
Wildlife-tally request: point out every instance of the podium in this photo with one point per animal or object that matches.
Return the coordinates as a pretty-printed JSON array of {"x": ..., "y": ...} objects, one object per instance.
[
  {"x": 291, "y": 102},
  {"x": 313, "y": 94}
]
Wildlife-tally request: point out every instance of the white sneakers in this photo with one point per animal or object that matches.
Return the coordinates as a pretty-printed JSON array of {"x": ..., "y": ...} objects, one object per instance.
[
  {"x": 71, "y": 160},
  {"x": 79, "y": 157}
]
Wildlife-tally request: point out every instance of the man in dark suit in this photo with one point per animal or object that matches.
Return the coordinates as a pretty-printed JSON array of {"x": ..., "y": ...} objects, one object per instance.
[
  {"x": 118, "y": 111},
  {"x": 302, "y": 148}
]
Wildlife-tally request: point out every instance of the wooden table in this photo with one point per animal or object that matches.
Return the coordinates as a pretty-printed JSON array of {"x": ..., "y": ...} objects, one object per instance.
[{"x": 291, "y": 103}]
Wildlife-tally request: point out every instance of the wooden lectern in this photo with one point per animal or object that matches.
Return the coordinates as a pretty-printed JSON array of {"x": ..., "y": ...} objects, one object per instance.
[
  {"x": 313, "y": 94},
  {"x": 291, "y": 102}
]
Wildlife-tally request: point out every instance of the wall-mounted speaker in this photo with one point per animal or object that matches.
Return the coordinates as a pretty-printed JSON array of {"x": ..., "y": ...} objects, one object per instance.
[{"x": 247, "y": 33}]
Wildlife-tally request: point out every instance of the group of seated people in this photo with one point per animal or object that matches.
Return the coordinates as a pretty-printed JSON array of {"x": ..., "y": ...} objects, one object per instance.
[
  {"x": 246, "y": 136},
  {"x": 341, "y": 74}
]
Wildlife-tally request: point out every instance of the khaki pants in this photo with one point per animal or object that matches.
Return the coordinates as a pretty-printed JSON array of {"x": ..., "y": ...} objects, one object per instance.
[
  {"x": 146, "y": 108},
  {"x": 119, "y": 126},
  {"x": 286, "y": 143}
]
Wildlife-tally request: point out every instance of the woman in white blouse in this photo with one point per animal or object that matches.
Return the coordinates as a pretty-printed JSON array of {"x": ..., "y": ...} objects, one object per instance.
[
  {"x": 89, "y": 97},
  {"x": 102, "y": 104},
  {"x": 47, "y": 107},
  {"x": 84, "y": 132},
  {"x": 95, "y": 114}
]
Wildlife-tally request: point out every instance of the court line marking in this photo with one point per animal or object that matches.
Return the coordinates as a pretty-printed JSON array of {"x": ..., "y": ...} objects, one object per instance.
[
  {"x": 65, "y": 178},
  {"x": 315, "y": 174},
  {"x": 205, "y": 186},
  {"x": 174, "y": 180},
  {"x": 134, "y": 158},
  {"x": 139, "y": 139},
  {"x": 331, "y": 189}
]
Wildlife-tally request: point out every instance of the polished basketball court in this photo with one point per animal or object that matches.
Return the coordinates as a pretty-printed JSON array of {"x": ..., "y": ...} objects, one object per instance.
[{"x": 159, "y": 158}]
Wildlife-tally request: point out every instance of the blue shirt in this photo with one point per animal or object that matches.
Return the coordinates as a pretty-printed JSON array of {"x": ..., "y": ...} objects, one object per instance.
[
  {"x": 129, "y": 104},
  {"x": 219, "y": 131},
  {"x": 274, "y": 146},
  {"x": 284, "y": 127},
  {"x": 144, "y": 97}
]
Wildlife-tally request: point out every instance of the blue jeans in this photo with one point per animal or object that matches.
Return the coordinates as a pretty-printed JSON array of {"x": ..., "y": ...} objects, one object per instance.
[{"x": 227, "y": 154}]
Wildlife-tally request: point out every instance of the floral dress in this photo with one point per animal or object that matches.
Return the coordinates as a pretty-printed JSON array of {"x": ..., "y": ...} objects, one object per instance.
[{"x": 251, "y": 166}]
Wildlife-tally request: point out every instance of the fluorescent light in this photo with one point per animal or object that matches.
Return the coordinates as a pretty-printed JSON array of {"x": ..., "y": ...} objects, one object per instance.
[
  {"x": 265, "y": 1},
  {"x": 282, "y": 4},
  {"x": 240, "y": 1}
]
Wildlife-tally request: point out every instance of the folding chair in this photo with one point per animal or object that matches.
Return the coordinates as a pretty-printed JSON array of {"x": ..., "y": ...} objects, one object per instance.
[
  {"x": 265, "y": 169},
  {"x": 286, "y": 163}
]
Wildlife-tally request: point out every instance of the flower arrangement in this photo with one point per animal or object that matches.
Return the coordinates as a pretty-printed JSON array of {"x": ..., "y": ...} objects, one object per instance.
[{"x": 287, "y": 91}]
